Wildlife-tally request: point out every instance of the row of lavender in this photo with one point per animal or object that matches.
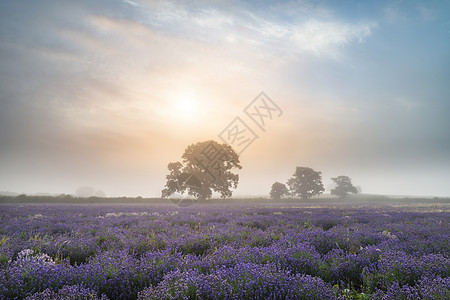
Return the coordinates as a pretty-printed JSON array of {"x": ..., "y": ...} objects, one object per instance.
[{"x": 217, "y": 252}]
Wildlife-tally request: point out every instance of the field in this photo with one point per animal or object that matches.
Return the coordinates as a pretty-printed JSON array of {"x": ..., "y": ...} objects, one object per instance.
[{"x": 217, "y": 251}]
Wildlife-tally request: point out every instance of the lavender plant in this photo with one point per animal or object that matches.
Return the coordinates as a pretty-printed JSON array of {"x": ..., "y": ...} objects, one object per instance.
[{"x": 218, "y": 252}]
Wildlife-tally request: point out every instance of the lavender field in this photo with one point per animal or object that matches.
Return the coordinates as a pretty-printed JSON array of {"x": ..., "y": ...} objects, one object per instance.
[{"x": 64, "y": 251}]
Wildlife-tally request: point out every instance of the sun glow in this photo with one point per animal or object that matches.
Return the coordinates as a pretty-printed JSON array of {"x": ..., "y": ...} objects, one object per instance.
[{"x": 184, "y": 107}]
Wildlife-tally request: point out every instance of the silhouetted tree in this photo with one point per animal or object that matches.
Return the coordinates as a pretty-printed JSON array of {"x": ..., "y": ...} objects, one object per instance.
[
  {"x": 205, "y": 167},
  {"x": 343, "y": 186},
  {"x": 306, "y": 183},
  {"x": 278, "y": 190}
]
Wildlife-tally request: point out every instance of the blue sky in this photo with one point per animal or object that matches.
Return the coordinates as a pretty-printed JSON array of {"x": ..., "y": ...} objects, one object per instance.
[{"x": 107, "y": 93}]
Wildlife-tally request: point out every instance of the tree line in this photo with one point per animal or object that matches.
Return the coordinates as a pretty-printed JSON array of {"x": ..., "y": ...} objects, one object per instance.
[
  {"x": 306, "y": 182},
  {"x": 207, "y": 166}
]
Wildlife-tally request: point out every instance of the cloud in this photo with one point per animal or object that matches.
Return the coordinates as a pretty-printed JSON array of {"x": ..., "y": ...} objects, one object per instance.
[
  {"x": 406, "y": 103},
  {"x": 427, "y": 13},
  {"x": 415, "y": 11},
  {"x": 393, "y": 14},
  {"x": 326, "y": 38},
  {"x": 314, "y": 31}
]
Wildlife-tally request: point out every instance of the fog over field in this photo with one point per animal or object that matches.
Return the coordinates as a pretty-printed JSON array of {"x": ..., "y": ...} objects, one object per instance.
[{"x": 108, "y": 93}]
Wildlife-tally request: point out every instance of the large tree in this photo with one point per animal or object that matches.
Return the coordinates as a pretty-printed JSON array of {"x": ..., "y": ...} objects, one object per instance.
[
  {"x": 205, "y": 167},
  {"x": 343, "y": 186},
  {"x": 306, "y": 183},
  {"x": 278, "y": 190}
]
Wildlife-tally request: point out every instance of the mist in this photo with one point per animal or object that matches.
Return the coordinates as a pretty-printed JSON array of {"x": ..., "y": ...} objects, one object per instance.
[{"x": 107, "y": 95}]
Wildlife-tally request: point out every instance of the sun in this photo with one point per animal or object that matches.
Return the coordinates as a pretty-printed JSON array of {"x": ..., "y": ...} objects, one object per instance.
[{"x": 185, "y": 107}]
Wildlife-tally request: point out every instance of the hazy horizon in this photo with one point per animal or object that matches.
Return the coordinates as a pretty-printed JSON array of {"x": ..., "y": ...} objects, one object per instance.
[{"x": 107, "y": 93}]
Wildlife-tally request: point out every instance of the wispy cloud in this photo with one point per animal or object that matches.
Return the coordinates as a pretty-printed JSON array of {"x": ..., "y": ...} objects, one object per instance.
[
  {"x": 326, "y": 38},
  {"x": 314, "y": 32},
  {"x": 427, "y": 13},
  {"x": 394, "y": 14}
]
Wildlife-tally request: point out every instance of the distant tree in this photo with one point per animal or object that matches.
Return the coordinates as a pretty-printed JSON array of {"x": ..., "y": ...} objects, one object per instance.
[
  {"x": 278, "y": 190},
  {"x": 306, "y": 183},
  {"x": 205, "y": 167},
  {"x": 343, "y": 186},
  {"x": 85, "y": 191}
]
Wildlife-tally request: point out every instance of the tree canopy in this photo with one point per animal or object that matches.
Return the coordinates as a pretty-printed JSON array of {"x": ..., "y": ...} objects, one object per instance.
[
  {"x": 306, "y": 183},
  {"x": 343, "y": 186},
  {"x": 205, "y": 167},
  {"x": 278, "y": 190}
]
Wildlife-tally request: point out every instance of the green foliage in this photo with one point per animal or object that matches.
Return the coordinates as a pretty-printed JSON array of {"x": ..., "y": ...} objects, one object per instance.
[
  {"x": 343, "y": 186},
  {"x": 278, "y": 190},
  {"x": 199, "y": 174},
  {"x": 307, "y": 224},
  {"x": 362, "y": 296},
  {"x": 197, "y": 246},
  {"x": 3, "y": 259},
  {"x": 4, "y": 240},
  {"x": 306, "y": 183}
]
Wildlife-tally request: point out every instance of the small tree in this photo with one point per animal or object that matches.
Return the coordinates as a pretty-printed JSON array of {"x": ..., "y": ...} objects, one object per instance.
[
  {"x": 306, "y": 183},
  {"x": 278, "y": 190},
  {"x": 343, "y": 186},
  {"x": 205, "y": 167}
]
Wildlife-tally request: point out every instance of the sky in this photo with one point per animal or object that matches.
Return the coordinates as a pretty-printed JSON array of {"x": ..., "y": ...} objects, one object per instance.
[{"x": 107, "y": 93}]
